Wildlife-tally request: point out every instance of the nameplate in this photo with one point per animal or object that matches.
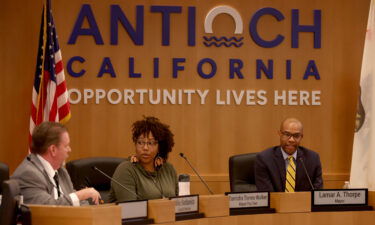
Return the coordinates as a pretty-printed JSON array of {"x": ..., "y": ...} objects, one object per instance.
[
  {"x": 340, "y": 197},
  {"x": 133, "y": 209},
  {"x": 186, "y": 204},
  {"x": 248, "y": 200}
]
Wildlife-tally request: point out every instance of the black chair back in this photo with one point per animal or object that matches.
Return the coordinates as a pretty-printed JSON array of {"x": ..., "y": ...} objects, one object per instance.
[
  {"x": 241, "y": 172},
  {"x": 4, "y": 175},
  {"x": 83, "y": 175},
  {"x": 9, "y": 202}
]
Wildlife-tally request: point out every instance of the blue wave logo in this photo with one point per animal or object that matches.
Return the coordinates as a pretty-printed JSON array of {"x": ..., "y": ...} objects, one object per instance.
[{"x": 222, "y": 41}]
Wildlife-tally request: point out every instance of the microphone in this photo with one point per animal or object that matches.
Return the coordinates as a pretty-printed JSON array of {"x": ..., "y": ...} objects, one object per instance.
[
  {"x": 196, "y": 172},
  {"x": 87, "y": 182},
  {"x": 308, "y": 177},
  {"x": 106, "y": 175}
]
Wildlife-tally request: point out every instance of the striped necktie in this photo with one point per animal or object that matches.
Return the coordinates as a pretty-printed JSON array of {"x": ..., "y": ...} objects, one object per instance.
[{"x": 290, "y": 182}]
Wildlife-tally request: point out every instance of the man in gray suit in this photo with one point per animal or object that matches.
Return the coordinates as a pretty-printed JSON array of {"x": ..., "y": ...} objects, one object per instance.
[{"x": 42, "y": 178}]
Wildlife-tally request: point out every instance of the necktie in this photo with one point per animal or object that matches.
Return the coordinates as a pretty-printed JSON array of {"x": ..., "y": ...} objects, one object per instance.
[
  {"x": 56, "y": 179},
  {"x": 290, "y": 182}
]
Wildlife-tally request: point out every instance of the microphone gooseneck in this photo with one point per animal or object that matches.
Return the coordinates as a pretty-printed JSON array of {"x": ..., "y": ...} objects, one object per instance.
[
  {"x": 308, "y": 177},
  {"x": 106, "y": 175},
  {"x": 196, "y": 172}
]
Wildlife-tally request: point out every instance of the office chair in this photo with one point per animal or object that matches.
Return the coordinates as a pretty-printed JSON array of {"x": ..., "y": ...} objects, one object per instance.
[
  {"x": 241, "y": 172},
  {"x": 11, "y": 209},
  {"x": 83, "y": 175},
  {"x": 4, "y": 175}
]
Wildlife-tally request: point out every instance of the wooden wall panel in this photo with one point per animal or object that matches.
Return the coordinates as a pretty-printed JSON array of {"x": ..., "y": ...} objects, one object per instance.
[{"x": 208, "y": 134}]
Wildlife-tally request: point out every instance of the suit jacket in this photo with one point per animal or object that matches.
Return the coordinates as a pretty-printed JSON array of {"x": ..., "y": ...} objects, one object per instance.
[
  {"x": 37, "y": 188},
  {"x": 270, "y": 171}
]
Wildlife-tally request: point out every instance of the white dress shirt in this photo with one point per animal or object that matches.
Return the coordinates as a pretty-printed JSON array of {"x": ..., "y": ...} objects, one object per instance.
[
  {"x": 51, "y": 173},
  {"x": 286, "y": 155}
]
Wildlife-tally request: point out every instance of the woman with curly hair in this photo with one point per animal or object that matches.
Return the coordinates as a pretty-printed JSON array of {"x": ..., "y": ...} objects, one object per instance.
[{"x": 147, "y": 175}]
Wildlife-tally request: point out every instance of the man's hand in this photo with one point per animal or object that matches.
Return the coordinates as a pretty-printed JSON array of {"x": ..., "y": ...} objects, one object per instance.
[{"x": 87, "y": 193}]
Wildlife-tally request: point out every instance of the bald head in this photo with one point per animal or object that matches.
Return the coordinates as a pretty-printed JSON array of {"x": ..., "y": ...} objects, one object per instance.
[{"x": 289, "y": 121}]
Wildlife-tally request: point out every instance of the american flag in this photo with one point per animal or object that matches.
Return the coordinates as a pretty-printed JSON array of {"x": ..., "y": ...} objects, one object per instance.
[{"x": 50, "y": 97}]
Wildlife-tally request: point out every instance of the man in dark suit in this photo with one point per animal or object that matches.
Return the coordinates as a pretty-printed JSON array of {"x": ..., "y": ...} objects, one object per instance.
[
  {"x": 42, "y": 178},
  {"x": 280, "y": 168}
]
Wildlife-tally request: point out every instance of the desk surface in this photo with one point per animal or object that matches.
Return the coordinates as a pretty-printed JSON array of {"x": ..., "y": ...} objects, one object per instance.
[
  {"x": 310, "y": 218},
  {"x": 47, "y": 215},
  {"x": 110, "y": 214}
]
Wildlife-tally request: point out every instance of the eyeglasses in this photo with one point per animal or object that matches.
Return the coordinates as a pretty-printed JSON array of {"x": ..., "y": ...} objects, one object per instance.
[
  {"x": 288, "y": 135},
  {"x": 142, "y": 143}
]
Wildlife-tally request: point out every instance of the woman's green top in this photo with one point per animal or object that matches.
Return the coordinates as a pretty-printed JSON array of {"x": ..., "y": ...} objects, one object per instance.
[{"x": 147, "y": 185}]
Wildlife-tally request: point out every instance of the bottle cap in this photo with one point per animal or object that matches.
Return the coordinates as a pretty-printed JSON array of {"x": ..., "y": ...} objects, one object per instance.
[{"x": 184, "y": 178}]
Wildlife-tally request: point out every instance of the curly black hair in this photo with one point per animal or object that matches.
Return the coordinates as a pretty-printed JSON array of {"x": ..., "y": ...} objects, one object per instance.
[{"x": 160, "y": 131}]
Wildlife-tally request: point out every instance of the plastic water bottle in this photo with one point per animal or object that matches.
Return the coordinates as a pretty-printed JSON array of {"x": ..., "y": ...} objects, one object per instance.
[
  {"x": 183, "y": 184},
  {"x": 346, "y": 185}
]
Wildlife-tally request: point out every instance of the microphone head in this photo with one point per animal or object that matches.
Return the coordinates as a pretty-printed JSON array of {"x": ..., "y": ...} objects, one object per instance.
[
  {"x": 182, "y": 154},
  {"x": 94, "y": 168}
]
